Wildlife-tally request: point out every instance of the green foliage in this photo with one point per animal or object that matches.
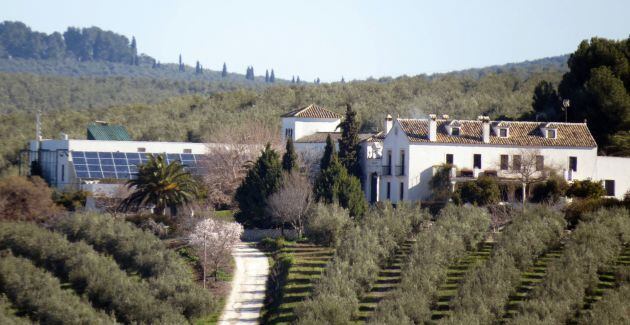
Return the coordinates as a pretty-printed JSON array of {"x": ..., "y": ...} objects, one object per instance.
[
  {"x": 326, "y": 224},
  {"x": 335, "y": 185},
  {"x": 586, "y": 189},
  {"x": 440, "y": 183},
  {"x": 289, "y": 158},
  {"x": 139, "y": 251},
  {"x": 262, "y": 180},
  {"x": 349, "y": 143},
  {"x": 484, "y": 292},
  {"x": 456, "y": 230},
  {"x": 482, "y": 191},
  {"x": 577, "y": 210},
  {"x": 594, "y": 244},
  {"x": 8, "y": 313},
  {"x": 329, "y": 152},
  {"x": 71, "y": 200},
  {"x": 162, "y": 185},
  {"x": 550, "y": 190},
  {"x": 96, "y": 276},
  {"x": 598, "y": 85},
  {"x": 268, "y": 244},
  {"x": 277, "y": 280},
  {"x": 363, "y": 249},
  {"x": 39, "y": 295},
  {"x": 613, "y": 308}
]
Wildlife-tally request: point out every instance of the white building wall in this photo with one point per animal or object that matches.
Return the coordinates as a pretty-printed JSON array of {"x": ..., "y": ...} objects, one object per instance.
[
  {"x": 395, "y": 141},
  {"x": 614, "y": 168},
  {"x": 306, "y": 126}
]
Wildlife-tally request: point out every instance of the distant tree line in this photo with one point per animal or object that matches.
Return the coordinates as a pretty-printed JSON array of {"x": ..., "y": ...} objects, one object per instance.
[{"x": 84, "y": 44}]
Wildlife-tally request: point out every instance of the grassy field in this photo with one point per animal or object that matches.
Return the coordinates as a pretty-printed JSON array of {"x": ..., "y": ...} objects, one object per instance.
[
  {"x": 309, "y": 261},
  {"x": 455, "y": 275},
  {"x": 388, "y": 280}
]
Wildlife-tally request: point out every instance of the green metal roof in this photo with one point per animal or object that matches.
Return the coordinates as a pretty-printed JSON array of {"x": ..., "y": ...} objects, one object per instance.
[{"x": 99, "y": 131}]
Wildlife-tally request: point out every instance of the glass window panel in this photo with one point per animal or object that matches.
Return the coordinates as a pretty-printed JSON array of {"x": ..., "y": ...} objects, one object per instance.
[
  {"x": 105, "y": 155},
  {"x": 78, "y": 161},
  {"x": 109, "y": 162},
  {"x": 78, "y": 154},
  {"x": 93, "y": 161},
  {"x": 96, "y": 174},
  {"x": 108, "y": 168},
  {"x": 94, "y": 168},
  {"x": 119, "y": 155},
  {"x": 109, "y": 175},
  {"x": 81, "y": 168},
  {"x": 120, "y": 162},
  {"x": 91, "y": 154}
]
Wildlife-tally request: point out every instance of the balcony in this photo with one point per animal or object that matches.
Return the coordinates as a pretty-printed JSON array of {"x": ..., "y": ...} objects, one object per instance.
[
  {"x": 387, "y": 171},
  {"x": 399, "y": 170}
]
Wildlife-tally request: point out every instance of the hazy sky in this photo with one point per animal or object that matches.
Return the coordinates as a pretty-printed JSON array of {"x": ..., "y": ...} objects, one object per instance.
[{"x": 330, "y": 39}]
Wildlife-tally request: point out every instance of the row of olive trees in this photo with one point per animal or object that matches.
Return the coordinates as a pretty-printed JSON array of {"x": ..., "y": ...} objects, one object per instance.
[
  {"x": 139, "y": 251},
  {"x": 594, "y": 244},
  {"x": 613, "y": 308},
  {"x": 362, "y": 249},
  {"x": 484, "y": 292},
  {"x": 457, "y": 230},
  {"x": 39, "y": 295},
  {"x": 8, "y": 314},
  {"x": 96, "y": 276}
]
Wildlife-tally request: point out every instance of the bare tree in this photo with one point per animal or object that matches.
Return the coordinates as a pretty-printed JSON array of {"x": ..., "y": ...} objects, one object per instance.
[
  {"x": 215, "y": 240},
  {"x": 528, "y": 166},
  {"x": 290, "y": 204}
]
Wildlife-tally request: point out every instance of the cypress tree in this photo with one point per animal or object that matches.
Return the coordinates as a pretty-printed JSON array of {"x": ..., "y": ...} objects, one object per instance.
[
  {"x": 289, "y": 159},
  {"x": 329, "y": 152},
  {"x": 297, "y": 80},
  {"x": 272, "y": 77},
  {"x": 198, "y": 68},
  {"x": 334, "y": 184},
  {"x": 343, "y": 81},
  {"x": 266, "y": 75},
  {"x": 349, "y": 143},
  {"x": 134, "y": 51},
  {"x": 224, "y": 72},
  {"x": 181, "y": 64},
  {"x": 262, "y": 180},
  {"x": 292, "y": 79}
]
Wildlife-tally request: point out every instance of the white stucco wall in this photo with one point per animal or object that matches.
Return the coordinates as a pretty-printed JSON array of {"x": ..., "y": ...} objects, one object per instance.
[
  {"x": 306, "y": 126},
  {"x": 395, "y": 141},
  {"x": 614, "y": 168}
]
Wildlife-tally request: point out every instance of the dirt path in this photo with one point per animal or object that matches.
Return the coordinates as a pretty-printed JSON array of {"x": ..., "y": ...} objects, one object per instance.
[{"x": 248, "y": 286}]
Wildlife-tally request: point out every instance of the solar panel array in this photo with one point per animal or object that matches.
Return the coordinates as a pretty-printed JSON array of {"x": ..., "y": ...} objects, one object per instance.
[{"x": 124, "y": 165}]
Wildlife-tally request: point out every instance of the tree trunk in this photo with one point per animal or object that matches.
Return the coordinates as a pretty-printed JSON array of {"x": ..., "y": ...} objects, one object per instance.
[
  {"x": 524, "y": 195},
  {"x": 205, "y": 263}
]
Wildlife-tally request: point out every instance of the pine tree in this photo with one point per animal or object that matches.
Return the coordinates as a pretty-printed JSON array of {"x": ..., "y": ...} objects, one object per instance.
[
  {"x": 329, "y": 152},
  {"x": 289, "y": 159},
  {"x": 292, "y": 79},
  {"x": 272, "y": 77},
  {"x": 334, "y": 184},
  {"x": 134, "y": 51},
  {"x": 343, "y": 81},
  {"x": 262, "y": 180},
  {"x": 349, "y": 143},
  {"x": 266, "y": 75},
  {"x": 154, "y": 65},
  {"x": 181, "y": 64},
  {"x": 224, "y": 72},
  {"x": 198, "y": 69},
  {"x": 297, "y": 80}
]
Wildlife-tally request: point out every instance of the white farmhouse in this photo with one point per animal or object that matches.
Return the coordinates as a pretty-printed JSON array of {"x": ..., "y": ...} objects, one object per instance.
[{"x": 399, "y": 162}]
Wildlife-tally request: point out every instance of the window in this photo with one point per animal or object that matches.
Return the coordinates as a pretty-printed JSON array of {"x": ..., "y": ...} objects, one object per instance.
[
  {"x": 455, "y": 131},
  {"x": 551, "y": 133},
  {"x": 449, "y": 158},
  {"x": 402, "y": 190},
  {"x": 402, "y": 163},
  {"x": 142, "y": 149},
  {"x": 187, "y": 150},
  {"x": 288, "y": 133},
  {"x": 573, "y": 163},
  {"x": 503, "y": 133},
  {"x": 389, "y": 190},
  {"x": 609, "y": 185},
  {"x": 516, "y": 162},
  {"x": 63, "y": 173},
  {"x": 540, "y": 163},
  {"x": 505, "y": 162},
  {"x": 477, "y": 161}
]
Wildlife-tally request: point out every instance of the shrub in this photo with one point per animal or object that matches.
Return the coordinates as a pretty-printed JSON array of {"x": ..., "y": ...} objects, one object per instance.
[
  {"x": 596, "y": 242},
  {"x": 277, "y": 280},
  {"x": 71, "y": 200},
  {"x": 39, "y": 295},
  {"x": 26, "y": 199},
  {"x": 586, "y": 189},
  {"x": 440, "y": 183},
  {"x": 455, "y": 230},
  {"x": 7, "y": 313},
  {"x": 326, "y": 224},
  {"x": 483, "y": 191},
  {"x": 579, "y": 209},
  {"x": 140, "y": 251},
  {"x": 550, "y": 190},
  {"x": 96, "y": 276}
]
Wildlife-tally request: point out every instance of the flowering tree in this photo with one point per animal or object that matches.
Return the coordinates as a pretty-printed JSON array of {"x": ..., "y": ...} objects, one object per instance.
[{"x": 215, "y": 240}]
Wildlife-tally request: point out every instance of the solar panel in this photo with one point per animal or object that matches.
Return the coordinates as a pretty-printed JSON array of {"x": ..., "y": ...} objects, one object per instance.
[{"x": 124, "y": 165}]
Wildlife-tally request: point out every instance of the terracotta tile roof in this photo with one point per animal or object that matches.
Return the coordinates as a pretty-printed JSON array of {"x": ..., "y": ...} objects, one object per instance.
[
  {"x": 312, "y": 111},
  {"x": 320, "y": 137},
  {"x": 521, "y": 133},
  {"x": 377, "y": 137}
]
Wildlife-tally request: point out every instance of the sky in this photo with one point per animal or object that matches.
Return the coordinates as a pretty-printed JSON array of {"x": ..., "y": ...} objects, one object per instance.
[{"x": 331, "y": 39}]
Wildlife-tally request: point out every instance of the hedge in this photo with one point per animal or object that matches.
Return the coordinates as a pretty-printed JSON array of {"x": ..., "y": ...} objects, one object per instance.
[
  {"x": 457, "y": 230},
  {"x": 595, "y": 243},
  {"x": 38, "y": 294},
  {"x": 98, "y": 277},
  {"x": 485, "y": 291},
  {"x": 137, "y": 250}
]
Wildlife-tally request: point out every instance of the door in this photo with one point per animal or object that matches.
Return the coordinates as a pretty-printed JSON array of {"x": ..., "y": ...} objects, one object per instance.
[{"x": 374, "y": 188}]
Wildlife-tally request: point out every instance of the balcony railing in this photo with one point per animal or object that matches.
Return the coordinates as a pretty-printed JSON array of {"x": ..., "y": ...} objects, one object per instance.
[
  {"x": 387, "y": 170},
  {"x": 400, "y": 170}
]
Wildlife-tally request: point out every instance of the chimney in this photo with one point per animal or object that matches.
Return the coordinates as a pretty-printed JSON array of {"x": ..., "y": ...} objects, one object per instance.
[
  {"x": 389, "y": 122},
  {"x": 485, "y": 128},
  {"x": 432, "y": 127},
  {"x": 445, "y": 116}
]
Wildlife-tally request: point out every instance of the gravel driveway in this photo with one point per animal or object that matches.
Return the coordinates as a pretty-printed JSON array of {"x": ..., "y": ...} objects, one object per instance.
[{"x": 248, "y": 286}]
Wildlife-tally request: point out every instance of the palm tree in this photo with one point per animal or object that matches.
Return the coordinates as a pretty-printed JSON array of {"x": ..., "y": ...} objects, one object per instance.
[{"x": 162, "y": 185}]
